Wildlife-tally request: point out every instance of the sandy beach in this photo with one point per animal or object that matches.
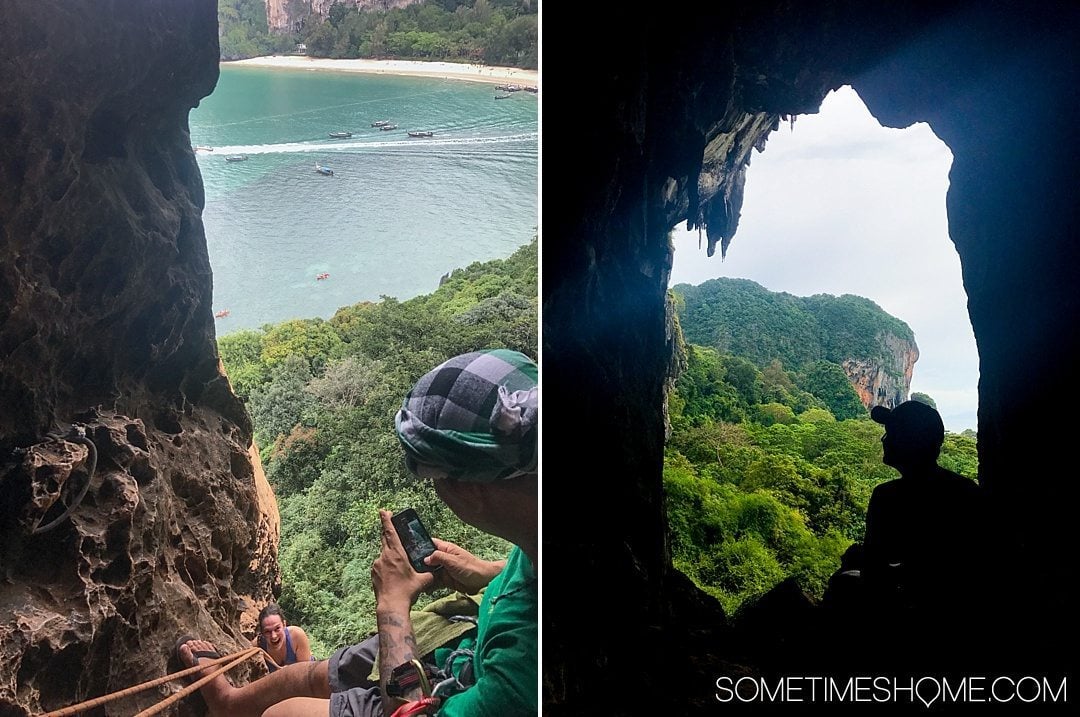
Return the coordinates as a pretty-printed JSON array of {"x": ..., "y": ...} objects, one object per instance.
[{"x": 441, "y": 70}]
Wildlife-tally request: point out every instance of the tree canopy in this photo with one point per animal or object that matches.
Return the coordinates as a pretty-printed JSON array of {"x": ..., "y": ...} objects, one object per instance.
[
  {"x": 761, "y": 492},
  {"x": 243, "y": 31},
  {"x": 494, "y": 32},
  {"x": 322, "y": 397},
  {"x": 772, "y": 457},
  {"x": 743, "y": 318}
]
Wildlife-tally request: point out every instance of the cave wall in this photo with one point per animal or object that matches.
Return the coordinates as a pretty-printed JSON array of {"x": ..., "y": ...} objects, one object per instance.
[
  {"x": 671, "y": 125},
  {"x": 105, "y": 322},
  {"x": 1004, "y": 108}
]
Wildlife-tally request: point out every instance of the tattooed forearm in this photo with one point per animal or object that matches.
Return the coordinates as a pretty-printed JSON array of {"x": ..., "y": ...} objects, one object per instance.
[
  {"x": 400, "y": 639},
  {"x": 389, "y": 620},
  {"x": 397, "y": 645}
]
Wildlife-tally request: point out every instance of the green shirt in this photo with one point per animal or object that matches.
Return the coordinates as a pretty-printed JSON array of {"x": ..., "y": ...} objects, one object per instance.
[{"x": 505, "y": 661}]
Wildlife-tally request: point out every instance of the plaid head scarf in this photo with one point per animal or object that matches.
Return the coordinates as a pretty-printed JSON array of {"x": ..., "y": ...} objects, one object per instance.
[{"x": 474, "y": 417}]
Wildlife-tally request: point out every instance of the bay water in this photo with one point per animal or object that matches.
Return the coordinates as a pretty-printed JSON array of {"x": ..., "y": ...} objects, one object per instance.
[{"x": 398, "y": 212}]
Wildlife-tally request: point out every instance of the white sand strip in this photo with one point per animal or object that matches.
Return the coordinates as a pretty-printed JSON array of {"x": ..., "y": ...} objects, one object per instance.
[{"x": 441, "y": 70}]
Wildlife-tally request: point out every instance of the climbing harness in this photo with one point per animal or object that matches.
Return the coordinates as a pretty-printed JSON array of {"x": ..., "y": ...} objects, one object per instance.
[
  {"x": 229, "y": 662},
  {"x": 76, "y": 434},
  {"x": 426, "y": 705},
  {"x": 451, "y": 684}
]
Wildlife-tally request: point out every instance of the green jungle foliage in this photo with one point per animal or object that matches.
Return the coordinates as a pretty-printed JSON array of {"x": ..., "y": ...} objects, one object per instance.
[
  {"x": 322, "y": 397},
  {"x": 742, "y": 318},
  {"x": 243, "y": 32},
  {"x": 923, "y": 398},
  {"x": 768, "y": 473},
  {"x": 495, "y": 32}
]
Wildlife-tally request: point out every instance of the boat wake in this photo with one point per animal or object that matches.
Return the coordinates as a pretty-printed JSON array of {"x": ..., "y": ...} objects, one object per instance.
[
  {"x": 325, "y": 148},
  {"x": 320, "y": 110}
]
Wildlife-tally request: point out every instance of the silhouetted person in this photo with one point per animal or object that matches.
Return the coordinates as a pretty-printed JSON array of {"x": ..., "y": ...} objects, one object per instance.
[{"x": 924, "y": 536}]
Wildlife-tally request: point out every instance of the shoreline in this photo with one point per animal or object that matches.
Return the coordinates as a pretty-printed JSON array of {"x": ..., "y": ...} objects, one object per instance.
[{"x": 403, "y": 68}]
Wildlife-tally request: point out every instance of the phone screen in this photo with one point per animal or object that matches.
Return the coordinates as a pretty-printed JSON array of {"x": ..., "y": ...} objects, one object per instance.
[{"x": 414, "y": 538}]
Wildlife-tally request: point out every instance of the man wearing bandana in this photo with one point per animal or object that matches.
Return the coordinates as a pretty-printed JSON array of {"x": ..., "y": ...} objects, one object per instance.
[{"x": 470, "y": 426}]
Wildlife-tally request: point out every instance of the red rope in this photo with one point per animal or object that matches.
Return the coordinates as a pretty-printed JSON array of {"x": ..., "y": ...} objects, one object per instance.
[{"x": 424, "y": 705}]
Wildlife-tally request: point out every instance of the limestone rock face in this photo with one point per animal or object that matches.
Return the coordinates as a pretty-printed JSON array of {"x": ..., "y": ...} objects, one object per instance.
[
  {"x": 884, "y": 382},
  {"x": 105, "y": 323},
  {"x": 170, "y": 538},
  {"x": 283, "y": 14},
  {"x": 264, "y": 554}
]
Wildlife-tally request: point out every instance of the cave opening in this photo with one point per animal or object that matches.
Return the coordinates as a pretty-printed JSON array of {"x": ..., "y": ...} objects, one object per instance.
[
  {"x": 842, "y": 220},
  {"x": 838, "y": 204}
]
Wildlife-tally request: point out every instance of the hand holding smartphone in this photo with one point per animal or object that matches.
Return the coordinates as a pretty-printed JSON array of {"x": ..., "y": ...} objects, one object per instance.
[{"x": 415, "y": 539}]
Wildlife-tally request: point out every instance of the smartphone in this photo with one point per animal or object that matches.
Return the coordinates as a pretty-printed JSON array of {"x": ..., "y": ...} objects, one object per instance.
[{"x": 415, "y": 538}]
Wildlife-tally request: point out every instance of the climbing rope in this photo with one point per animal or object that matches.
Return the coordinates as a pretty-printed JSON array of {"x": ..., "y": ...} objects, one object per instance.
[
  {"x": 422, "y": 706},
  {"x": 229, "y": 661},
  {"x": 75, "y": 435},
  {"x": 160, "y": 706},
  {"x": 451, "y": 684}
]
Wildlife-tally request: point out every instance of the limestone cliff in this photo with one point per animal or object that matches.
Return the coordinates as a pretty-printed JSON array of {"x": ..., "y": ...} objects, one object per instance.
[
  {"x": 267, "y": 539},
  {"x": 886, "y": 381},
  {"x": 740, "y": 317},
  {"x": 106, "y": 325},
  {"x": 282, "y": 15}
]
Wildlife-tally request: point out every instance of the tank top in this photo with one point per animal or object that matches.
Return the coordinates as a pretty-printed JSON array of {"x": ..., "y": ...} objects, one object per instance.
[{"x": 290, "y": 653}]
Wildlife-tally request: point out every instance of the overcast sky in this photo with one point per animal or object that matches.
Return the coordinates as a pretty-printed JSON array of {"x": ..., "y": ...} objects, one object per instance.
[{"x": 841, "y": 205}]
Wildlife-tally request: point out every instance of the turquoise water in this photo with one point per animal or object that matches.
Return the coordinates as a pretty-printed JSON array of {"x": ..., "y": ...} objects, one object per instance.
[{"x": 398, "y": 213}]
